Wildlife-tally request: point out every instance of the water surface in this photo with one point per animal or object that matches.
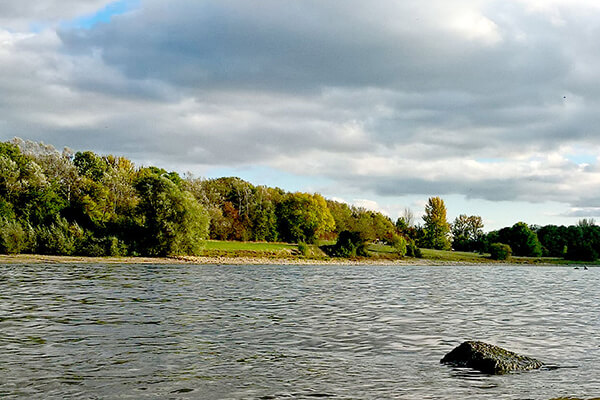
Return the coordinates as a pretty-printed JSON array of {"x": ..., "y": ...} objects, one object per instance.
[{"x": 270, "y": 332}]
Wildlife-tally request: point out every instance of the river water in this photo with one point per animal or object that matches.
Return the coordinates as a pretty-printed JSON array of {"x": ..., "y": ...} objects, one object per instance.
[{"x": 279, "y": 332}]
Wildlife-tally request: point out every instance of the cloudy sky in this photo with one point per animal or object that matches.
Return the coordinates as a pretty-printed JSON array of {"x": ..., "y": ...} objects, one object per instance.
[{"x": 491, "y": 104}]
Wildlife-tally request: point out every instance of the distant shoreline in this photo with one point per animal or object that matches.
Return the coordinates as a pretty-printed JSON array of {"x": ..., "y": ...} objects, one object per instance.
[{"x": 23, "y": 259}]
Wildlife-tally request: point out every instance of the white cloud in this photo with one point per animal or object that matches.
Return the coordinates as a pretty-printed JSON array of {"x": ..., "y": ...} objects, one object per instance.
[{"x": 381, "y": 97}]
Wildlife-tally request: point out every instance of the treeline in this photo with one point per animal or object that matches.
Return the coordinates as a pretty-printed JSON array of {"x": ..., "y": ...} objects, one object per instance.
[
  {"x": 83, "y": 203},
  {"x": 579, "y": 242}
]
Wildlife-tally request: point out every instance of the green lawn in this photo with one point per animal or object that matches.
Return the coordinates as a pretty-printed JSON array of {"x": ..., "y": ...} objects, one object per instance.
[
  {"x": 248, "y": 246},
  {"x": 458, "y": 256},
  {"x": 380, "y": 251}
]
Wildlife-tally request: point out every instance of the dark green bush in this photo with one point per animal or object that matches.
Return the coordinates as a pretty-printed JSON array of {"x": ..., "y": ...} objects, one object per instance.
[
  {"x": 413, "y": 251},
  {"x": 399, "y": 244},
  {"x": 92, "y": 246},
  {"x": 60, "y": 238},
  {"x": 303, "y": 248},
  {"x": 350, "y": 244},
  {"x": 581, "y": 252},
  {"x": 500, "y": 251}
]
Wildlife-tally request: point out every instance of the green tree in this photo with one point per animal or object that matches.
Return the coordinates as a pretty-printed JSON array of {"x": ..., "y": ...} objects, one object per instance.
[
  {"x": 437, "y": 228},
  {"x": 521, "y": 239},
  {"x": 171, "y": 221},
  {"x": 467, "y": 233},
  {"x": 553, "y": 240},
  {"x": 304, "y": 217}
]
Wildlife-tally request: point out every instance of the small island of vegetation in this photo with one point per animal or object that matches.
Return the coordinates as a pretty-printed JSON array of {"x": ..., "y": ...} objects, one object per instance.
[{"x": 84, "y": 204}]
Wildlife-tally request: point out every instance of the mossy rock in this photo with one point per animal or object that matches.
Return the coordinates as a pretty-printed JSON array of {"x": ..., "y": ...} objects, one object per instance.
[{"x": 489, "y": 359}]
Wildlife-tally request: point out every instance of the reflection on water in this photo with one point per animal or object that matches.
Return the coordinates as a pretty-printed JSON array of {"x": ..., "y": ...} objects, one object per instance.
[{"x": 247, "y": 332}]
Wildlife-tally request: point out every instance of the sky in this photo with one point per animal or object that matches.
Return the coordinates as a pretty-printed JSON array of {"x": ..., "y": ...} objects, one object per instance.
[{"x": 490, "y": 104}]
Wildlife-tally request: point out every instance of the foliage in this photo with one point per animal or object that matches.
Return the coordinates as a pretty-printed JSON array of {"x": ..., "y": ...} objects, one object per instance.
[
  {"x": 583, "y": 242},
  {"x": 171, "y": 221},
  {"x": 521, "y": 239},
  {"x": 412, "y": 250},
  {"x": 55, "y": 202},
  {"x": 13, "y": 238},
  {"x": 500, "y": 251},
  {"x": 467, "y": 233},
  {"x": 437, "y": 229},
  {"x": 59, "y": 238},
  {"x": 553, "y": 240},
  {"x": 304, "y": 218},
  {"x": 399, "y": 244},
  {"x": 350, "y": 244},
  {"x": 303, "y": 248}
]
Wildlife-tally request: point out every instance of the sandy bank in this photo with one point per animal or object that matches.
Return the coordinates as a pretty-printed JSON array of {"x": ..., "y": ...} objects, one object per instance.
[{"x": 23, "y": 259}]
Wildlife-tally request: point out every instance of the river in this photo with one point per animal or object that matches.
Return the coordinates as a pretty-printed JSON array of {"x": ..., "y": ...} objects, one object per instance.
[{"x": 288, "y": 332}]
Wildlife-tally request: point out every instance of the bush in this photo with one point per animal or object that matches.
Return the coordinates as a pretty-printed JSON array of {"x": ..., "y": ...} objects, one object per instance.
[
  {"x": 399, "y": 244},
  {"x": 13, "y": 238},
  {"x": 303, "y": 248},
  {"x": 92, "y": 246},
  {"x": 350, "y": 244},
  {"x": 60, "y": 238},
  {"x": 500, "y": 251},
  {"x": 413, "y": 251}
]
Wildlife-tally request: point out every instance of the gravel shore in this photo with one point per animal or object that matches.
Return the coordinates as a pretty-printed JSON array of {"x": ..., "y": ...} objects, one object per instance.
[{"x": 219, "y": 260}]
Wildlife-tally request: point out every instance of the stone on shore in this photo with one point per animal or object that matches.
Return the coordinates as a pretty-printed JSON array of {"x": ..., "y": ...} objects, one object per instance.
[{"x": 489, "y": 359}]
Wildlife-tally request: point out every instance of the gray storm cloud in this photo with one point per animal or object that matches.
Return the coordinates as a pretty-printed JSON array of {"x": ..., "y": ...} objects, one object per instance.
[{"x": 388, "y": 97}]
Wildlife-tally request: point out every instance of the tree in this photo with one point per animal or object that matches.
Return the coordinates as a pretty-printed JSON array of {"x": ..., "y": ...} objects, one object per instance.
[
  {"x": 304, "y": 218},
  {"x": 522, "y": 240},
  {"x": 583, "y": 242},
  {"x": 407, "y": 220},
  {"x": 467, "y": 233},
  {"x": 171, "y": 221},
  {"x": 553, "y": 240},
  {"x": 436, "y": 229}
]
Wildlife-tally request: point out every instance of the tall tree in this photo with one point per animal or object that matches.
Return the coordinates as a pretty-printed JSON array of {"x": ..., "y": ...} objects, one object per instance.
[
  {"x": 171, "y": 221},
  {"x": 467, "y": 232},
  {"x": 437, "y": 228},
  {"x": 522, "y": 240},
  {"x": 304, "y": 217}
]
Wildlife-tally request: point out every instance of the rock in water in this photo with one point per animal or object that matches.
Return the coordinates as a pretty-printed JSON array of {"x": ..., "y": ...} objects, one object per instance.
[{"x": 489, "y": 359}]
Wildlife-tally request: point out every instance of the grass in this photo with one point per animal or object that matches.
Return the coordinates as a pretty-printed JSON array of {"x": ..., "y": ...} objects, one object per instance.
[
  {"x": 376, "y": 251},
  {"x": 455, "y": 256},
  {"x": 223, "y": 248},
  {"x": 248, "y": 246}
]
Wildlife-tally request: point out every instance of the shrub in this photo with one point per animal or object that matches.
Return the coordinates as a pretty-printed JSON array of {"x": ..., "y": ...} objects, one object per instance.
[
  {"x": 91, "y": 246},
  {"x": 303, "y": 248},
  {"x": 13, "y": 238},
  {"x": 500, "y": 251},
  {"x": 350, "y": 244},
  {"x": 399, "y": 244},
  {"x": 60, "y": 238},
  {"x": 413, "y": 251}
]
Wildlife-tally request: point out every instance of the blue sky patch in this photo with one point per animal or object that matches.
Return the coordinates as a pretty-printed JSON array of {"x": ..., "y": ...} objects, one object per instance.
[
  {"x": 104, "y": 15},
  {"x": 582, "y": 158}
]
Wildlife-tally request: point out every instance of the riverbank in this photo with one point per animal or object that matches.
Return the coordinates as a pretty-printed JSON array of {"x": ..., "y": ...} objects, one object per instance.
[
  {"x": 209, "y": 260},
  {"x": 24, "y": 259}
]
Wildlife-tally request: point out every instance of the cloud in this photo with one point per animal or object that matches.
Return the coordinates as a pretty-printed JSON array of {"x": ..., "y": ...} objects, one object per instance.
[
  {"x": 583, "y": 212},
  {"x": 387, "y": 98},
  {"x": 21, "y": 15}
]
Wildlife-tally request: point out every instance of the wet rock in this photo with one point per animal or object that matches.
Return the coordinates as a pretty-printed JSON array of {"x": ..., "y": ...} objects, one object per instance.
[{"x": 489, "y": 359}]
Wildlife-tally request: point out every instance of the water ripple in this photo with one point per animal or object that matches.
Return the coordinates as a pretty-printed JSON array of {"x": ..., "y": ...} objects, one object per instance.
[{"x": 275, "y": 332}]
